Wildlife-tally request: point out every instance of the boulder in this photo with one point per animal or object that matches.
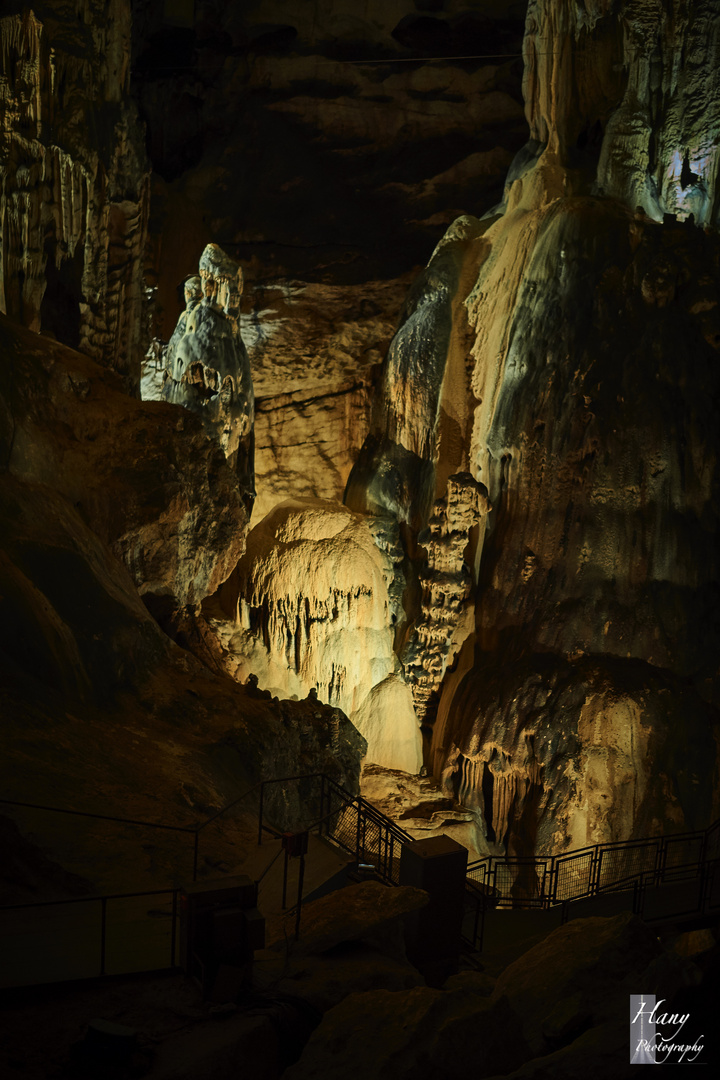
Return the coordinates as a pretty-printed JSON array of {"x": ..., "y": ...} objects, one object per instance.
[{"x": 577, "y": 978}]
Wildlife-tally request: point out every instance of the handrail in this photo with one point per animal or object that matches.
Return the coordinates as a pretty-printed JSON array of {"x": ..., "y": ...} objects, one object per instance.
[
  {"x": 199, "y": 828},
  {"x": 89, "y": 899},
  {"x": 100, "y": 817},
  {"x": 548, "y": 867}
]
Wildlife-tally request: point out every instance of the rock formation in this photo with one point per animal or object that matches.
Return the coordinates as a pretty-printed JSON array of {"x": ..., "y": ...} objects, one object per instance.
[
  {"x": 320, "y": 147},
  {"x": 308, "y": 610},
  {"x": 208, "y": 370},
  {"x": 591, "y": 421},
  {"x": 106, "y": 502},
  {"x": 526, "y": 562},
  {"x": 447, "y": 586},
  {"x": 75, "y": 180}
]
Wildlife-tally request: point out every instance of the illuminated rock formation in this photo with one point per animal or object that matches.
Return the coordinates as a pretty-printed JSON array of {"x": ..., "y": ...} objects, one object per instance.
[
  {"x": 208, "y": 367},
  {"x": 590, "y": 420},
  {"x": 308, "y": 610},
  {"x": 332, "y": 180},
  {"x": 595, "y": 364},
  {"x": 75, "y": 183},
  {"x": 144, "y": 475}
]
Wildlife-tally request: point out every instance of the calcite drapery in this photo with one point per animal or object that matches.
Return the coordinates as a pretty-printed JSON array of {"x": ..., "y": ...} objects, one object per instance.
[
  {"x": 208, "y": 367},
  {"x": 628, "y": 98},
  {"x": 595, "y": 372}
]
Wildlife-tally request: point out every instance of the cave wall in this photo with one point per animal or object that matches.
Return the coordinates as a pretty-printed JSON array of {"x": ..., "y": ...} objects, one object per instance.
[{"x": 75, "y": 180}]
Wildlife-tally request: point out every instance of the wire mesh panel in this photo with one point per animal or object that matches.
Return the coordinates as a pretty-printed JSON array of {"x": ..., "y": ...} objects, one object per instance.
[
  {"x": 574, "y": 875},
  {"x": 370, "y": 837},
  {"x": 520, "y": 882},
  {"x": 392, "y": 863},
  {"x": 619, "y": 867},
  {"x": 682, "y": 854},
  {"x": 479, "y": 872},
  {"x": 344, "y": 828},
  {"x": 712, "y": 901},
  {"x": 712, "y": 845}
]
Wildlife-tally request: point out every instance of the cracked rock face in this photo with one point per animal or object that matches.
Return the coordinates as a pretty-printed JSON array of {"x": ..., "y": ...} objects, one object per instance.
[{"x": 307, "y": 610}]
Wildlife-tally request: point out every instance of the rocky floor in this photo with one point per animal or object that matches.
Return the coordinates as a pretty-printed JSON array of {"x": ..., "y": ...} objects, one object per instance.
[{"x": 553, "y": 1008}]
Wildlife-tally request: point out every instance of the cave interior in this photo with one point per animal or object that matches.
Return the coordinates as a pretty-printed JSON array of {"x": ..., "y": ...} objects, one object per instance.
[{"x": 359, "y": 424}]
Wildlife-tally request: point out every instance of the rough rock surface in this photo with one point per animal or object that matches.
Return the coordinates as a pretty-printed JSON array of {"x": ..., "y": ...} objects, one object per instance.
[
  {"x": 447, "y": 585},
  {"x": 307, "y": 609},
  {"x": 565, "y": 997},
  {"x": 351, "y": 941},
  {"x": 422, "y": 410},
  {"x": 102, "y": 711},
  {"x": 575, "y": 979},
  {"x": 420, "y": 1033},
  {"x": 601, "y": 544},
  {"x": 75, "y": 179},
  {"x": 363, "y": 911},
  {"x": 315, "y": 350},
  {"x": 144, "y": 476},
  {"x": 327, "y": 148}
]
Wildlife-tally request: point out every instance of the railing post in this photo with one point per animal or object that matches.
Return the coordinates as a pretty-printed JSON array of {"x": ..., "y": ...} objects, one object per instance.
[
  {"x": 103, "y": 922},
  {"x": 195, "y": 854},
  {"x": 298, "y": 908},
  {"x": 359, "y": 825},
  {"x": 285, "y": 877},
  {"x": 660, "y": 861},
  {"x": 260, "y": 812},
  {"x": 173, "y": 932}
]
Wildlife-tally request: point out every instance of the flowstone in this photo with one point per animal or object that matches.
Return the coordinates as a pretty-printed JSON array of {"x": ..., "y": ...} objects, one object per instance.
[{"x": 309, "y": 608}]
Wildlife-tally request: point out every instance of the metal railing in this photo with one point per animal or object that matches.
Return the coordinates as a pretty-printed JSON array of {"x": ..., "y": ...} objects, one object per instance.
[
  {"x": 190, "y": 830},
  {"x": 637, "y": 868},
  {"x": 546, "y": 880},
  {"x": 353, "y": 824},
  {"x": 663, "y": 878},
  {"x": 89, "y": 936}
]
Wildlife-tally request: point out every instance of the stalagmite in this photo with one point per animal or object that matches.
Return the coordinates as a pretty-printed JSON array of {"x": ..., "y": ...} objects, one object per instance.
[{"x": 208, "y": 370}]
